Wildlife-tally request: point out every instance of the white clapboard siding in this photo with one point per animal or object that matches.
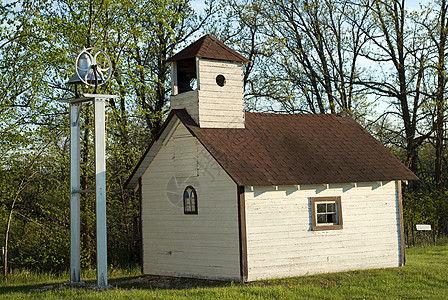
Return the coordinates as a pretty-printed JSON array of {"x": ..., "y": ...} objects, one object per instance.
[
  {"x": 175, "y": 244},
  {"x": 214, "y": 106},
  {"x": 280, "y": 240},
  {"x": 210, "y": 64},
  {"x": 187, "y": 101},
  {"x": 220, "y": 107},
  {"x": 217, "y": 98}
]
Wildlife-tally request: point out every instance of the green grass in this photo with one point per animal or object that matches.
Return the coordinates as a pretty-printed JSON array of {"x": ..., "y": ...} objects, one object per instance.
[{"x": 424, "y": 277}]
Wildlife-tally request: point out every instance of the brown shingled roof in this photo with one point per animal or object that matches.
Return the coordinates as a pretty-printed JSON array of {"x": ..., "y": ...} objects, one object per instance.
[
  {"x": 279, "y": 149},
  {"x": 209, "y": 47}
]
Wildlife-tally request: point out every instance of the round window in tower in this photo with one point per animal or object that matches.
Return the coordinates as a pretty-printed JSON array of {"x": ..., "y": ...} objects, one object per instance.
[{"x": 220, "y": 80}]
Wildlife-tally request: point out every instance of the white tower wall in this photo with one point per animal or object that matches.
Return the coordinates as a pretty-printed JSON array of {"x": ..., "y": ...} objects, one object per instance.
[{"x": 212, "y": 105}]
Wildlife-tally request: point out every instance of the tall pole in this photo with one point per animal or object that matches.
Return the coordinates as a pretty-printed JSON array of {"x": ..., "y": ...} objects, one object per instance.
[
  {"x": 100, "y": 169},
  {"x": 91, "y": 64},
  {"x": 75, "y": 264}
]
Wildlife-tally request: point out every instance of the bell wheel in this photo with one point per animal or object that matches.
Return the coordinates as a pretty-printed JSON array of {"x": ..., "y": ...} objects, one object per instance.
[{"x": 93, "y": 66}]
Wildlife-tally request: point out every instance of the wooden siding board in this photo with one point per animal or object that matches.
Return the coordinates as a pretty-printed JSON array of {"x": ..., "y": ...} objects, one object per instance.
[
  {"x": 321, "y": 267},
  {"x": 304, "y": 245},
  {"x": 230, "y": 86},
  {"x": 220, "y": 244},
  {"x": 280, "y": 241},
  {"x": 220, "y": 107},
  {"x": 203, "y": 245},
  {"x": 304, "y": 249},
  {"x": 211, "y": 63},
  {"x": 185, "y": 271},
  {"x": 187, "y": 101},
  {"x": 311, "y": 259}
]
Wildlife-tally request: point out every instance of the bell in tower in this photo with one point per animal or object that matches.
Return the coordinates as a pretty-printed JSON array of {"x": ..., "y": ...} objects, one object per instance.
[{"x": 207, "y": 81}]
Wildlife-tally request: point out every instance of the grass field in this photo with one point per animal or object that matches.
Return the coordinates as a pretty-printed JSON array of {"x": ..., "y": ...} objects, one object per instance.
[{"x": 424, "y": 277}]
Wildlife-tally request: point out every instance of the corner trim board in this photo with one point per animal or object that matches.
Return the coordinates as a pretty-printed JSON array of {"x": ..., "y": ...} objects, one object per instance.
[
  {"x": 141, "y": 228},
  {"x": 242, "y": 229},
  {"x": 400, "y": 213}
]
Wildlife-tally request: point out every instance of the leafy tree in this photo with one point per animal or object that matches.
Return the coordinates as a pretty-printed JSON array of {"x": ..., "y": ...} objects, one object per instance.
[
  {"x": 401, "y": 51},
  {"x": 304, "y": 55},
  {"x": 46, "y": 35}
]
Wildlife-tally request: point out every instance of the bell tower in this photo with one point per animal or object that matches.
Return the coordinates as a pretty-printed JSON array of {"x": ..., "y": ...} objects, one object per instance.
[{"x": 207, "y": 81}]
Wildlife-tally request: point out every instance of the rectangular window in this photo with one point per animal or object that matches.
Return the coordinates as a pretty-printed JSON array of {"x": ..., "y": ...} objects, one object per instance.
[{"x": 326, "y": 213}]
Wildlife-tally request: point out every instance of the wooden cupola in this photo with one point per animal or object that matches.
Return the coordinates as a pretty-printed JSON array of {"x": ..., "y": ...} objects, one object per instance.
[{"x": 207, "y": 81}]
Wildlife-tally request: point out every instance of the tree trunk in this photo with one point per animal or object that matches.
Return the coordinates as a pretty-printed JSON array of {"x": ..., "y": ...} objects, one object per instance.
[
  {"x": 440, "y": 101},
  {"x": 8, "y": 227},
  {"x": 5, "y": 256}
]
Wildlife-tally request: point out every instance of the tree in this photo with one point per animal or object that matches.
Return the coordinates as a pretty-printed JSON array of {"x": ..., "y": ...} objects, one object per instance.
[
  {"x": 402, "y": 51},
  {"x": 437, "y": 30},
  {"x": 138, "y": 36}
]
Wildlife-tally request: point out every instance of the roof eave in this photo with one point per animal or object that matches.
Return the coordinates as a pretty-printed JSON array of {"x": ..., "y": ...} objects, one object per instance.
[{"x": 132, "y": 180}]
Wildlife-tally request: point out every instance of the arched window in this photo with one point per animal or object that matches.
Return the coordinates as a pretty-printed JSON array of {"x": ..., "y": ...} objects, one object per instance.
[{"x": 190, "y": 201}]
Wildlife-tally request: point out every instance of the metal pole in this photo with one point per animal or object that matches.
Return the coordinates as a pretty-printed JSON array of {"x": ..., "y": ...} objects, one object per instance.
[
  {"x": 75, "y": 264},
  {"x": 100, "y": 169}
]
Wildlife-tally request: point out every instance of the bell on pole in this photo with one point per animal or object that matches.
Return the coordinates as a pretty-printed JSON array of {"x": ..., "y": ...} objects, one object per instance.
[{"x": 93, "y": 68}]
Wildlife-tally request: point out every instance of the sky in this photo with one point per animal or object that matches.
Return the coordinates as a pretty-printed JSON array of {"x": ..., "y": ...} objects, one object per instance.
[{"x": 199, "y": 5}]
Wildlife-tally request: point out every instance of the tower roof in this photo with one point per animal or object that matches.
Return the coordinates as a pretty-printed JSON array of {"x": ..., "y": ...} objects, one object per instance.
[{"x": 209, "y": 47}]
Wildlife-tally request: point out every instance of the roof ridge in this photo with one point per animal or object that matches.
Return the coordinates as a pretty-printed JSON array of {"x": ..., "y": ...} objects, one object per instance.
[
  {"x": 208, "y": 44},
  {"x": 268, "y": 114},
  {"x": 227, "y": 48},
  {"x": 210, "y": 47}
]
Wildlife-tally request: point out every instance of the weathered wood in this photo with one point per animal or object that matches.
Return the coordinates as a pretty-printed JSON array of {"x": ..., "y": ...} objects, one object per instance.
[
  {"x": 100, "y": 183},
  {"x": 211, "y": 105},
  {"x": 203, "y": 245},
  {"x": 75, "y": 204},
  {"x": 281, "y": 242}
]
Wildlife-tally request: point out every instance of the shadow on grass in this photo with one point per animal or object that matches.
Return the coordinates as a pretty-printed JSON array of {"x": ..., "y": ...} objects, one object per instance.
[
  {"x": 150, "y": 282},
  {"x": 26, "y": 288},
  {"x": 126, "y": 282},
  {"x": 165, "y": 282}
]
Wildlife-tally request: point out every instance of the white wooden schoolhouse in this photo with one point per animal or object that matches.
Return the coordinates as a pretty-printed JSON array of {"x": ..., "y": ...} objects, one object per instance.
[{"x": 228, "y": 194}]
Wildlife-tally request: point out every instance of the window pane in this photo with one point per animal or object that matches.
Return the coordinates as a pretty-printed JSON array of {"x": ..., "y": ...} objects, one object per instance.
[
  {"x": 331, "y": 207},
  {"x": 193, "y": 200},
  {"x": 331, "y": 218},
  {"x": 187, "y": 200},
  {"x": 321, "y": 218},
  {"x": 321, "y": 208}
]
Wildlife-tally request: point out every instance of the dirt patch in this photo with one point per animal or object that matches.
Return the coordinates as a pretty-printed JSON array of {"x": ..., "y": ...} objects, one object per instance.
[
  {"x": 140, "y": 282},
  {"x": 165, "y": 282},
  {"x": 68, "y": 285}
]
